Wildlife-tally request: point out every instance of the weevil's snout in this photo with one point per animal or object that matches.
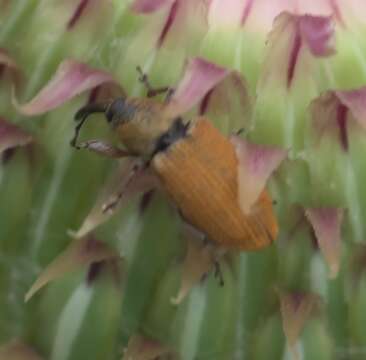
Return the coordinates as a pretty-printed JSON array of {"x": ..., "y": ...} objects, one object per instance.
[
  {"x": 116, "y": 112},
  {"x": 89, "y": 109},
  {"x": 82, "y": 115}
]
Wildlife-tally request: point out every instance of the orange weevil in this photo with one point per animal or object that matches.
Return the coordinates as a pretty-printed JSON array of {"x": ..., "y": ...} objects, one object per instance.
[{"x": 196, "y": 165}]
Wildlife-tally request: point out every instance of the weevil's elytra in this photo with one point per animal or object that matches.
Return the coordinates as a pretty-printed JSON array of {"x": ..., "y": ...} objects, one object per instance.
[
  {"x": 197, "y": 166},
  {"x": 200, "y": 175}
]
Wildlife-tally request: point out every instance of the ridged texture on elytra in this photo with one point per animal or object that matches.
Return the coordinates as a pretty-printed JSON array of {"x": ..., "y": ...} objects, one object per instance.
[{"x": 199, "y": 173}]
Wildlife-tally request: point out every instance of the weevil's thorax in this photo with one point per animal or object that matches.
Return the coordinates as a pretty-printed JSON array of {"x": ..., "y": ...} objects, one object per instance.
[{"x": 139, "y": 124}]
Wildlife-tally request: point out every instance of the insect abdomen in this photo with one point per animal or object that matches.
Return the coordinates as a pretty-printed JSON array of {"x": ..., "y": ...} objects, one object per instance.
[{"x": 199, "y": 173}]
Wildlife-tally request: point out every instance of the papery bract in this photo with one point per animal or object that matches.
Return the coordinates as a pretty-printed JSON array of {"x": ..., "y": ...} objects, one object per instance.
[
  {"x": 12, "y": 136},
  {"x": 149, "y": 6},
  {"x": 199, "y": 77},
  {"x": 296, "y": 309},
  {"x": 290, "y": 34},
  {"x": 17, "y": 350},
  {"x": 326, "y": 223},
  {"x": 126, "y": 183},
  {"x": 71, "y": 79},
  {"x": 79, "y": 253},
  {"x": 142, "y": 348},
  {"x": 255, "y": 164},
  {"x": 332, "y": 111},
  {"x": 8, "y": 62},
  {"x": 199, "y": 260}
]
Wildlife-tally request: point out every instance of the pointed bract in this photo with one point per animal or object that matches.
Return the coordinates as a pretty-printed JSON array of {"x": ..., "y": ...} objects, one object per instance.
[
  {"x": 71, "y": 79},
  {"x": 329, "y": 118},
  {"x": 317, "y": 32},
  {"x": 228, "y": 104},
  {"x": 129, "y": 181},
  {"x": 8, "y": 62},
  {"x": 259, "y": 15},
  {"x": 198, "y": 262},
  {"x": 79, "y": 253},
  {"x": 326, "y": 223},
  {"x": 170, "y": 22},
  {"x": 332, "y": 111},
  {"x": 226, "y": 13},
  {"x": 289, "y": 34},
  {"x": 142, "y": 348},
  {"x": 255, "y": 165},
  {"x": 149, "y": 6},
  {"x": 79, "y": 10},
  {"x": 17, "y": 350},
  {"x": 358, "y": 263},
  {"x": 199, "y": 77},
  {"x": 12, "y": 136},
  {"x": 112, "y": 267},
  {"x": 355, "y": 101},
  {"x": 295, "y": 311},
  {"x": 185, "y": 23}
]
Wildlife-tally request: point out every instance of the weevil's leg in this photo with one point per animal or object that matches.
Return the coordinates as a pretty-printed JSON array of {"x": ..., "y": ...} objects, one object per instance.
[
  {"x": 151, "y": 91},
  {"x": 104, "y": 149},
  {"x": 215, "y": 261},
  {"x": 218, "y": 273},
  {"x": 111, "y": 205},
  {"x": 206, "y": 241},
  {"x": 198, "y": 261},
  {"x": 169, "y": 94},
  {"x": 73, "y": 141},
  {"x": 158, "y": 91},
  {"x": 206, "y": 246}
]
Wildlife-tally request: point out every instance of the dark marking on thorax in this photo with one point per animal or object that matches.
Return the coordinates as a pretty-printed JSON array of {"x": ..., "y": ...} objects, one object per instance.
[{"x": 177, "y": 131}]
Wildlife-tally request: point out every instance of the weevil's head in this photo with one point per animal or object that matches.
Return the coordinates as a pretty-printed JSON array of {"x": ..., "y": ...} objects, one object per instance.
[
  {"x": 117, "y": 111},
  {"x": 140, "y": 123},
  {"x": 120, "y": 111}
]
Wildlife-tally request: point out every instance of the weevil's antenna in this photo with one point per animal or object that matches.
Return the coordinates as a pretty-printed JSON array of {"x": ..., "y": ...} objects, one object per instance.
[{"x": 82, "y": 116}]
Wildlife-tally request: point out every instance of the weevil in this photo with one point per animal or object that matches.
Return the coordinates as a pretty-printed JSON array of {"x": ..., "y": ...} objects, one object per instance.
[{"x": 196, "y": 165}]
